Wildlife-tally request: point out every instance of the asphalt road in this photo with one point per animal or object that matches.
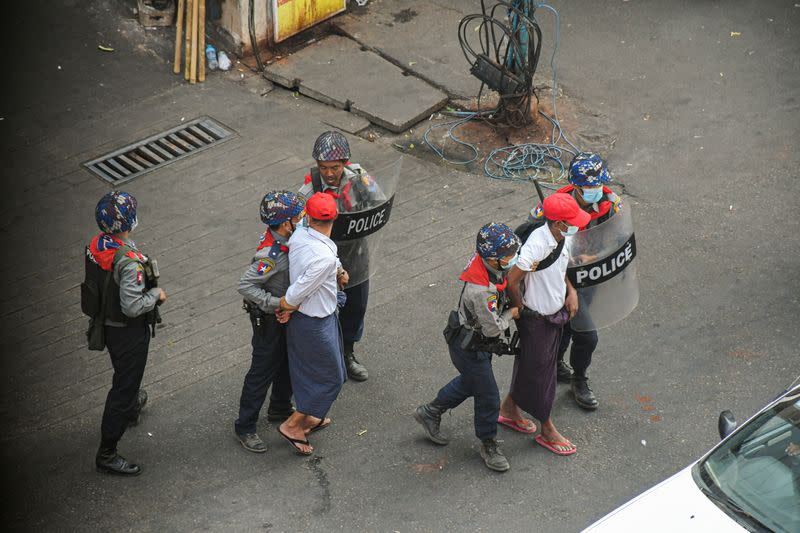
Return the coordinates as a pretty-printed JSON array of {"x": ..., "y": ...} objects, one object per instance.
[{"x": 705, "y": 100}]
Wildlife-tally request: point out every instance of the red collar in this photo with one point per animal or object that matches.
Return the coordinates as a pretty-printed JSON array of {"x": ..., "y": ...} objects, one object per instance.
[
  {"x": 269, "y": 240},
  {"x": 476, "y": 272},
  {"x": 104, "y": 247}
]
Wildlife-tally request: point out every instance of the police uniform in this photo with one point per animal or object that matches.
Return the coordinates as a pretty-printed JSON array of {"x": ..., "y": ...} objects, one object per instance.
[
  {"x": 262, "y": 285},
  {"x": 357, "y": 191},
  {"x": 479, "y": 328},
  {"x": 481, "y": 314},
  {"x": 130, "y": 301}
]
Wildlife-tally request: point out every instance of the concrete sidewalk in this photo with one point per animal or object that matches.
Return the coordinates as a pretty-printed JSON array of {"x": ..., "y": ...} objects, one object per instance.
[{"x": 712, "y": 176}]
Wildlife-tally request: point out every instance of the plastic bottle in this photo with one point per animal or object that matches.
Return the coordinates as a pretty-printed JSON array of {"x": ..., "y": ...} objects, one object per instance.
[
  {"x": 211, "y": 57},
  {"x": 224, "y": 60}
]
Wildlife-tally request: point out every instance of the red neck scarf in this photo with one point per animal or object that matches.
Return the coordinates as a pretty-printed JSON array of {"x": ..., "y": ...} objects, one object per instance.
[
  {"x": 476, "y": 273},
  {"x": 104, "y": 247},
  {"x": 268, "y": 240}
]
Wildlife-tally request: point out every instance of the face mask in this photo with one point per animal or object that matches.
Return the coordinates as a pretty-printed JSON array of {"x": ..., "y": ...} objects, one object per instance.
[
  {"x": 592, "y": 196},
  {"x": 134, "y": 224},
  {"x": 571, "y": 230},
  {"x": 510, "y": 264}
]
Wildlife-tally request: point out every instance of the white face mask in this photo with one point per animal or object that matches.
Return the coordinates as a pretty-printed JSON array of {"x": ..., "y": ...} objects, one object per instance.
[{"x": 571, "y": 230}]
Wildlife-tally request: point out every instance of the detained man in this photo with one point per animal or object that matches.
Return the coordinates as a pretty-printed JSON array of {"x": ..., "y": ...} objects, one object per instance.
[
  {"x": 548, "y": 303},
  {"x": 313, "y": 334}
]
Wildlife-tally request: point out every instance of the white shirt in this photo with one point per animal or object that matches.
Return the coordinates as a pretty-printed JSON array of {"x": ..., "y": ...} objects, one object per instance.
[
  {"x": 312, "y": 273},
  {"x": 546, "y": 290}
]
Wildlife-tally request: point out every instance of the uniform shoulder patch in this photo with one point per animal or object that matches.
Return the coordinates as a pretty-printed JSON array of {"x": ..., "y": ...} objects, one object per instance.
[
  {"x": 139, "y": 275},
  {"x": 264, "y": 266},
  {"x": 491, "y": 303}
]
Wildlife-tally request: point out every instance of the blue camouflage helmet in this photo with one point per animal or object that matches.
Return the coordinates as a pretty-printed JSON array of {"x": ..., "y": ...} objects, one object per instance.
[
  {"x": 331, "y": 146},
  {"x": 496, "y": 241},
  {"x": 588, "y": 170},
  {"x": 116, "y": 212},
  {"x": 279, "y": 206}
]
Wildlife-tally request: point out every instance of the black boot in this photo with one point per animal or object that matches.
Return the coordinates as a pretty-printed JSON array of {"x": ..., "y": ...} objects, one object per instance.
[
  {"x": 493, "y": 457},
  {"x": 355, "y": 370},
  {"x": 583, "y": 394},
  {"x": 563, "y": 372},
  {"x": 279, "y": 415},
  {"x": 429, "y": 417},
  {"x": 108, "y": 461},
  {"x": 141, "y": 401}
]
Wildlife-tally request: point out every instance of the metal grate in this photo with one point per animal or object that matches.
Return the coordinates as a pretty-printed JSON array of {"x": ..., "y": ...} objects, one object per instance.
[{"x": 161, "y": 149}]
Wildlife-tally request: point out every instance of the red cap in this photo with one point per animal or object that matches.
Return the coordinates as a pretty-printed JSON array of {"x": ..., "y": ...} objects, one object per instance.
[
  {"x": 322, "y": 206},
  {"x": 562, "y": 206}
]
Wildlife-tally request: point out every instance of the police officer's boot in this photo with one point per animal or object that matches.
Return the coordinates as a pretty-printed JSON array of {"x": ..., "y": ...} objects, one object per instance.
[
  {"x": 355, "y": 370},
  {"x": 141, "y": 401},
  {"x": 429, "y": 417},
  {"x": 493, "y": 457},
  {"x": 108, "y": 461},
  {"x": 583, "y": 394},
  {"x": 563, "y": 371},
  {"x": 279, "y": 415}
]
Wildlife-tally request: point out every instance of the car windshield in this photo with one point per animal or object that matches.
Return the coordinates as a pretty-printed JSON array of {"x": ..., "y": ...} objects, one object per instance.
[{"x": 755, "y": 474}]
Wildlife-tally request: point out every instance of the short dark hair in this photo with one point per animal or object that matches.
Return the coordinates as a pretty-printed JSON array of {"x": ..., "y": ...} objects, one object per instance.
[{"x": 275, "y": 227}]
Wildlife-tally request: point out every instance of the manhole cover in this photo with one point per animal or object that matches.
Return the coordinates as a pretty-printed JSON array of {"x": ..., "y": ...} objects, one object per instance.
[{"x": 141, "y": 157}]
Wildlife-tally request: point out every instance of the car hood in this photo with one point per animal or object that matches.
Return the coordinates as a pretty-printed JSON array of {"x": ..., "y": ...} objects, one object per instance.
[{"x": 675, "y": 504}]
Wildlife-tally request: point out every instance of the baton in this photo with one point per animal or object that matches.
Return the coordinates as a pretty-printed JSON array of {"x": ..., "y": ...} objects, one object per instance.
[{"x": 538, "y": 189}]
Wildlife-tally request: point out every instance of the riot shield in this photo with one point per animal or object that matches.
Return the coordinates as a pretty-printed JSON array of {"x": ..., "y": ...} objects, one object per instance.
[
  {"x": 365, "y": 204},
  {"x": 603, "y": 271}
]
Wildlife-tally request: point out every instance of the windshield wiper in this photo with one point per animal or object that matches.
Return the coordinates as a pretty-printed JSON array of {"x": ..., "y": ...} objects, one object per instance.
[
  {"x": 727, "y": 503},
  {"x": 724, "y": 501}
]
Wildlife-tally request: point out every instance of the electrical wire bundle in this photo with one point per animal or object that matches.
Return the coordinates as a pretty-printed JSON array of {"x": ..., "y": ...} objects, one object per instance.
[
  {"x": 509, "y": 53},
  {"x": 505, "y": 55}
]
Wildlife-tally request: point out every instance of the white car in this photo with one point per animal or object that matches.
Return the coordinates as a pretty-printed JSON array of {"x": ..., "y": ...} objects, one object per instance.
[{"x": 750, "y": 481}]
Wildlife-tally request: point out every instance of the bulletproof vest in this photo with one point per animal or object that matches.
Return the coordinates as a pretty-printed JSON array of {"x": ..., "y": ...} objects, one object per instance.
[
  {"x": 99, "y": 286},
  {"x": 599, "y": 220},
  {"x": 360, "y": 193}
]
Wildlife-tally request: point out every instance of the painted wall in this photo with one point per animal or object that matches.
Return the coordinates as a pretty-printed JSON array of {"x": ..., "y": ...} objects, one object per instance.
[{"x": 293, "y": 16}]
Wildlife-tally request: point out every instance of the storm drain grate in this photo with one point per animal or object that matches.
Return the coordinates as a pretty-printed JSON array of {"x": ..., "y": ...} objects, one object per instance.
[{"x": 161, "y": 149}]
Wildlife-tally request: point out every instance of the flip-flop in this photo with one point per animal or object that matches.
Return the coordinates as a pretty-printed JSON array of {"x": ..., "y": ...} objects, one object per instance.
[
  {"x": 517, "y": 425},
  {"x": 551, "y": 445},
  {"x": 325, "y": 422},
  {"x": 294, "y": 442}
]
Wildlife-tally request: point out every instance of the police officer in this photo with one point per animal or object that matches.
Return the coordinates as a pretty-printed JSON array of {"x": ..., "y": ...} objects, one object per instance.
[
  {"x": 128, "y": 307},
  {"x": 588, "y": 177},
  {"x": 482, "y": 325},
  {"x": 354, "y": 190},
  {"x": 262, "y": 285}
]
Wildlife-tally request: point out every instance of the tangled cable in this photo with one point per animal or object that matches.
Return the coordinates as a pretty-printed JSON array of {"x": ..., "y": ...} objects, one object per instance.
[{"x": 530, "y": 161}]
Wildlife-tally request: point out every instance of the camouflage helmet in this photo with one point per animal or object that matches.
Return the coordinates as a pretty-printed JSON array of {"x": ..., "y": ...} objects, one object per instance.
[
  {"x": 495, "y": 241},
  {"x": 279, "y": 206},
  {"x": 331, "y": 146},
  {"x": 116, "y": 212},
  {"x": 588, "y": 170}
]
